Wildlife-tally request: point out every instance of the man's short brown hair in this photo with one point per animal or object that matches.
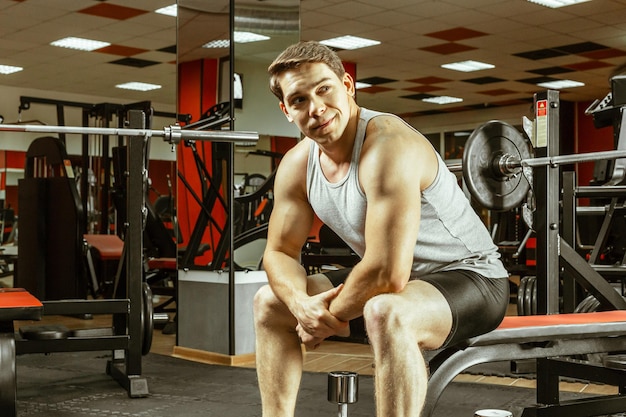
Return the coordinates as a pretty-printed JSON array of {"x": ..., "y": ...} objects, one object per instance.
[{"x": 300, "y": 53}]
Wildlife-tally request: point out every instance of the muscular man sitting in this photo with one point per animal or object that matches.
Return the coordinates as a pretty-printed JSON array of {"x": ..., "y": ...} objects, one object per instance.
[{"x": 429, "y": 274}]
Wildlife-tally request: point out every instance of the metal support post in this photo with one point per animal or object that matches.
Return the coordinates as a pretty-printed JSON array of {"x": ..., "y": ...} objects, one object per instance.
[{"x": 546, "y": 186}]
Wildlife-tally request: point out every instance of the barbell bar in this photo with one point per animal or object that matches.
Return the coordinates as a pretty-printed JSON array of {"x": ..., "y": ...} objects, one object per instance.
[
  {"x": 495, "y": 157},
  {"x": 172, "y": 134}
]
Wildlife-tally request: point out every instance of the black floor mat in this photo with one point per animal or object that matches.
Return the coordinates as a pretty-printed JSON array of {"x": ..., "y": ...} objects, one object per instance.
[{"x": 76, "y": 384}]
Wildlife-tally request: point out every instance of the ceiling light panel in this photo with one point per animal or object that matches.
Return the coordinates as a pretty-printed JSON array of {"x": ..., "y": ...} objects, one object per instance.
[
  {"x": 442, "y": 100},
  {"x": 80, "y": 44},
  {"x": 138, "y": 86},
  {"x": 349, "y": 42},
  {"x": 171, "y": 10},
  {"x": 247, "y": 37},
  {"x": 560, "y": 84},
  {"x": 219, "y": 43},
  {"x": 554, "y": 4},
  {"x": 468, "y": 66},
  {"x": 9, "y": 69}
]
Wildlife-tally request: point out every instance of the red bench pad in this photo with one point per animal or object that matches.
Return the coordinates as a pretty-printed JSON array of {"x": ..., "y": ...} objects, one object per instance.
[
  {"x": 19, "y": 304},
  {"x": 562, "y": 319},
  {"x": 162, "y": 263},
  {"x": 545, "y": 328},
  {"x": 109, "y": 247}
]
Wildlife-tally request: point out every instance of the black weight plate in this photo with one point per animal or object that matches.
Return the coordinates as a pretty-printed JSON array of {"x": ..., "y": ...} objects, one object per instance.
[
  {"x": 521, "y": 290},
  {"x": 147, "y": 319},
  {"x": 485, "y": 146}
]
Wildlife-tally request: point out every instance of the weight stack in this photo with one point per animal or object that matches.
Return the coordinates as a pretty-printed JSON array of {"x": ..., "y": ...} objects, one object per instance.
[{"x": 50, "y": 243}]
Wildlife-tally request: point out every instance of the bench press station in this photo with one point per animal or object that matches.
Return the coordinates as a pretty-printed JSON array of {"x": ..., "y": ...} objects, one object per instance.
[
  {"x": 128, "y": 311},
  {"x": 557, "y": 334}
]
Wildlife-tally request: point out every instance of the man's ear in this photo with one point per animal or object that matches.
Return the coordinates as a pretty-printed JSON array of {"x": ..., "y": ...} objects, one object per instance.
[
  {"x": 348, "y": 81},
  {"x": 284, "y": 110}
]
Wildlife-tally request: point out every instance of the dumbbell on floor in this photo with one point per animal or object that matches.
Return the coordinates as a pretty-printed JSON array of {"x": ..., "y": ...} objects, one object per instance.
[{"x": 343, "y": 389}]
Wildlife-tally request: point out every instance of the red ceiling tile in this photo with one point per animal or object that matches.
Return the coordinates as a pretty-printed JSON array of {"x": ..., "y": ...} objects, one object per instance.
[
  {"x": 374, "y": 89},
  {"x": 423, "y": 89},
  {"x": 603, "y": 53},
  {"x": 588, "y": 65},
  {"x": 497, "y": 92},
  {"x": 456, "y": 34},
  {"x": 121, "y": 50},
  {"x": 113, "y": 11},
  {"x": 447, "y": 48},
  {"x": 429, "y": 80}
]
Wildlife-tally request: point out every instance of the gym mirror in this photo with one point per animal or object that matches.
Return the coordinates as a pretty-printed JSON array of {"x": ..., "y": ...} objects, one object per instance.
[{"x": 222, "y": 94}]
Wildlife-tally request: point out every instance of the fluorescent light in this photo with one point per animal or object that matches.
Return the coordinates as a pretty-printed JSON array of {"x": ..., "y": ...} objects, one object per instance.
[
  {"x": 554, "y": 4},
  {"x": 240, "y": 37},
  {"x": 80, "y": 44},
  {"x": 133, "y": 85},
  {"x": 220, "y": 43},
  {"x": 358, "y": 85},
  {"x": 9, "y": 69},
  {"x": 442, "y": 100},
  {"x": 246, "y": 37},
  {"x": 349, "y": 42},
  {"x": 559, "y": 84},
  {"x": 170, "y": 10},
  {"x": 468, "y": 66}
]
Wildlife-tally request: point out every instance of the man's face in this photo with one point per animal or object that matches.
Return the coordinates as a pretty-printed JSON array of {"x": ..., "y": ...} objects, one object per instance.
[{"x": 317, "y": 101}]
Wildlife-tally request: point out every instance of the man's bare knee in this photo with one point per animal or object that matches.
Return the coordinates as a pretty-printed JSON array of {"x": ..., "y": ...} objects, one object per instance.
[
  {"x": 266, "y": 304},
  {"x": 381, "y": 316}
]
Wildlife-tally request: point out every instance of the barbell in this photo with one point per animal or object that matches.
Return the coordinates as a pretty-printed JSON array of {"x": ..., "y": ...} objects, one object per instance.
[
  {"x": 172, "y": 134},
  {"x": 496, "y": 163}
]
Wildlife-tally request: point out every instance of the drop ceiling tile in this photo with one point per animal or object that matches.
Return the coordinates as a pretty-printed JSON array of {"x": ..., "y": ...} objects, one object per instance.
[
  {"x": 541, "y": 54},
  {"x": 373, "y": 90},
  {"x": 588, "y": 65},
  {"x": 604, "y": 53},
  {"x": 550, "y": 70},
  {"x": 484, "y": 80},
  {"x": 113, "y": 11},
  {"x": 120, "y": 50},
  {"x": 536, "y": 80},
  {"x": 134, "y": 62},
  {"x": 582, "y": 47},
  {"x": 376, "y": 80},
  {"x": 456, "y": 34},
  {"x": 447, "y": 48},
  {"x": 169, "y": 49},
  {"x": 417, "y": 96}
]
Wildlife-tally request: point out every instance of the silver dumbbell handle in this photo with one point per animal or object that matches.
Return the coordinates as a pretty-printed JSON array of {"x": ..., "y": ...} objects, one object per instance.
[{"x": 343, "y": 389}]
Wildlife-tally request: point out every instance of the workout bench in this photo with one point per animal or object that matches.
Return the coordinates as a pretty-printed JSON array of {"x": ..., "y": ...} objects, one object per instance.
[
  {"x": 15, "y": 304},
  {"x": 109, "y": 249},
  {"x": 549, "y": 339}
]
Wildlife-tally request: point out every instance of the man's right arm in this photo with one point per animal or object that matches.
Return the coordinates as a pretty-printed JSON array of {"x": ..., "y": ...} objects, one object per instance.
[{"x": 289, "y": 227}]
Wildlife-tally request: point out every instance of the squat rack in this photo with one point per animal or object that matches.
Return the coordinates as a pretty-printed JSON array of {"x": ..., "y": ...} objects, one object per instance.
[{"x": 126, "y": 343}]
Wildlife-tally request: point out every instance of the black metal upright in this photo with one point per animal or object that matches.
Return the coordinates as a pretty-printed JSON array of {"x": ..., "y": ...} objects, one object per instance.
[{"x": 546, "y": 183}]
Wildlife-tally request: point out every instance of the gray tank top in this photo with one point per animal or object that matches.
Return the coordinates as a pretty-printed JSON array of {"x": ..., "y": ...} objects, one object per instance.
[{"x": 451, "y": 235}]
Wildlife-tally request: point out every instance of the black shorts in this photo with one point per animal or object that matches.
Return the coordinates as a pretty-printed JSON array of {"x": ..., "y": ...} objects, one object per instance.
[{"x": 478, "y": 304}]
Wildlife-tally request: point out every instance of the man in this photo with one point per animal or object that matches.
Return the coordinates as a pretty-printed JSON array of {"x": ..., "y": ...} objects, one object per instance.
[{"x": 429, "y": 273}]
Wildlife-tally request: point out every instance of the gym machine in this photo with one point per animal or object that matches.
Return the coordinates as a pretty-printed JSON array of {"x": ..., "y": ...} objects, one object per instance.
[
  {"x": 129, "y": 313},
  {"x": 501, "y": 170}
]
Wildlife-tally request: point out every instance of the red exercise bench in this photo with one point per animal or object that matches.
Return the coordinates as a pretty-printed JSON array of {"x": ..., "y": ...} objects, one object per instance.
[
  {"x": 109, "y": 249},
  {"x": 549, "y": 339},
  {"x": 15, "y": 304}
]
